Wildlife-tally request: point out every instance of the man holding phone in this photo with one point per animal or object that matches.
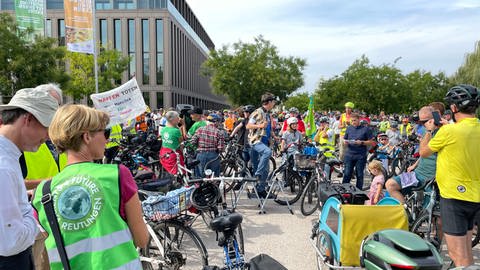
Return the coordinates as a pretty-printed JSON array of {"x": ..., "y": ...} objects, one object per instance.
[{"x": 458, "y": 172}]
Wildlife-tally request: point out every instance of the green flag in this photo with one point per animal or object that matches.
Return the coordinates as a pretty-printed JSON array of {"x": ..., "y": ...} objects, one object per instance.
[
  {"x": 30, "y": 13},
  {"x": 310, "y": 127}
]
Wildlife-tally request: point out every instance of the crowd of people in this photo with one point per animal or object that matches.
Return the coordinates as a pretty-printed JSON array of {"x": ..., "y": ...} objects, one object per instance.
[{"x": 43, "y": 139}]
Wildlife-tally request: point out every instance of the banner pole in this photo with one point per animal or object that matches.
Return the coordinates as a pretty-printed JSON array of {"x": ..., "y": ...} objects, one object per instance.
[
  {"x": 95, "y": 46},
  {"x": 45, "y": 19}
]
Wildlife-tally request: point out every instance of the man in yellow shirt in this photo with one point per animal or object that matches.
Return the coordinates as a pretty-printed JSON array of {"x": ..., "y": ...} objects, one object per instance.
[{"x": 458, "y": 171}]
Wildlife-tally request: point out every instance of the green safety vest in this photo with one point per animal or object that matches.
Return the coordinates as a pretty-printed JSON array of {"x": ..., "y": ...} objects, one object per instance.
[
  {"x": 384, "y": 125},
  {"x": 42, "y": 164},
  {"x": 115, "y": 136},
  {"x": 86, "y": 199}
]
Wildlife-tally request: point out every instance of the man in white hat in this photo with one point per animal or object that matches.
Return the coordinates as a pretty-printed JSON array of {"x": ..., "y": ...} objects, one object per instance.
[{"x": 25, "y": 121}]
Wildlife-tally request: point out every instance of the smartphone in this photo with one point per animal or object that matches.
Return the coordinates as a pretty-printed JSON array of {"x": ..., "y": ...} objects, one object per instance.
[{"x": 436, "y": 118}]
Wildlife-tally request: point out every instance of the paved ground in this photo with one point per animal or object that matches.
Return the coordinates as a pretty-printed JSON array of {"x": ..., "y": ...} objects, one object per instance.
[{"x": 276, "y": 233}]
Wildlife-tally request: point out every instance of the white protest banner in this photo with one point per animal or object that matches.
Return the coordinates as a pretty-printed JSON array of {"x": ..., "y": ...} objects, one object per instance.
[{"x": 122, "y": 103}]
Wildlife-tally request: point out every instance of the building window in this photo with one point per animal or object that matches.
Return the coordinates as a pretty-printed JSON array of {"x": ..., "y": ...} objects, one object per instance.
[
  {"x": 117, "y": 34},
  {"x": 131, "y": 47},
  {"x": 48, "y": 28},
  {"x": 103, "y": 33},
  {"x": 61, "y": 32},
  {"x": 55, "y": 4},
  {"x": 103, "y": 4},
  {"x": 159, "y": 99},
  {"x": 124, "y": 4},
  {"x": 146, "y": 51},
  {"x": 146, "y": 97},
  {"x": 159, "y": 34}
]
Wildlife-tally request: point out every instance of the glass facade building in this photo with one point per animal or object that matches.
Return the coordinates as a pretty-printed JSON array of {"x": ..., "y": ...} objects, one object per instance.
[{"x": 164, "y": 39}]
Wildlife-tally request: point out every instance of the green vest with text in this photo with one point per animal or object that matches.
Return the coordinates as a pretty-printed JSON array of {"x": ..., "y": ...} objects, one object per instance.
[
  {"x": 115, "y": 136},
  {"x": 42, "y": 164},
  {"x": 86, "y": 198}
]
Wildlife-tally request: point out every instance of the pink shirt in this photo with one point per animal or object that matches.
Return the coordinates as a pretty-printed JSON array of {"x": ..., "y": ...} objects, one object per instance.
[
  {"x": 128, "y": 188},
  {"x": 379, "y": 179}
]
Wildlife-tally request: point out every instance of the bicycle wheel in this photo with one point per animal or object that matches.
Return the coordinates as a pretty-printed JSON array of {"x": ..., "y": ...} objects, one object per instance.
[
  {"x": 182, "y": 246},
  {"x": 397, "y": 167},
  {"x": 292, "y": 192},
  {"x": 429, "y": 231},
  {"x": 324, "y": 245},
  {"x": 235, "y": 168},
  {"x": 239, "y": 238},
  {"x": 309, "y": 198},
  {"x": 272, "y": 164}
]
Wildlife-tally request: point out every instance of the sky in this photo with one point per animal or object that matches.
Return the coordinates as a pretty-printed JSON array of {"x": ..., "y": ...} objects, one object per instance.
[{"x": 431, "y": 35}]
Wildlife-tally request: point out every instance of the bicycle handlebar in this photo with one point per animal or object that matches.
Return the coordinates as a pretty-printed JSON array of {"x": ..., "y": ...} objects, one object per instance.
[{"x": 222, "y": 178}]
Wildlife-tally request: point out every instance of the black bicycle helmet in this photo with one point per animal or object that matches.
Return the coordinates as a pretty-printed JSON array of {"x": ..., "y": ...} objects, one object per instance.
[
  {"x": 324, "y": 119},
  {"x": 205, "y": 196},
  {"x": 249, "y": 108},
  {"x": 462, "y": 96}
]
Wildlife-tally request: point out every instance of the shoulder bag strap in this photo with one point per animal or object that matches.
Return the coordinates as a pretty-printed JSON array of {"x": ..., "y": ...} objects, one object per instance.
[{"x": 52, "y": 220}]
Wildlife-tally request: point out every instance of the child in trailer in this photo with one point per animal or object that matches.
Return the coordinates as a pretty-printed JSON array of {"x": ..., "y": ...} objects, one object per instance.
[{"x": 376, "y": 187}]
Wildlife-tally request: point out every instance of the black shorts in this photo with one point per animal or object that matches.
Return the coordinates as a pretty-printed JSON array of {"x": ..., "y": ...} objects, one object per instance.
[{"x": 457, "y": 216}]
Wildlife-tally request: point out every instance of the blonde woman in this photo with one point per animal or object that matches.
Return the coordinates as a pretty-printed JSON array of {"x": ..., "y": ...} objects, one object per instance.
[{"x": 96, "y": 205}]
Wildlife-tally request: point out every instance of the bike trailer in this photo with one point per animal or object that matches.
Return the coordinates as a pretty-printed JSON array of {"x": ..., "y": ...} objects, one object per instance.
[{"x": 342, "y": 227}]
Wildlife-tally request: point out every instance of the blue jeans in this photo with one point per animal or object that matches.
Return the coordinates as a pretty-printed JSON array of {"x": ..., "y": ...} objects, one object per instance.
[
  {"x": 205, "y": 157},
  {"x": 246, "y": 157},
  {"x": 357, "y": 162},
  {"x": 260, "y": 157}
]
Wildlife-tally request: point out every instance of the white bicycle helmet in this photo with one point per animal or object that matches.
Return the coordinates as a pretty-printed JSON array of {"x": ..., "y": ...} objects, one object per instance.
[{"x": 292, "y": 120}]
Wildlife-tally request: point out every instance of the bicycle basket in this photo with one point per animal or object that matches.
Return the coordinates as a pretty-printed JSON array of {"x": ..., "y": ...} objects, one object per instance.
[
  {"x": 304, "y": 162},
  {"x": 169, "y": 205}
]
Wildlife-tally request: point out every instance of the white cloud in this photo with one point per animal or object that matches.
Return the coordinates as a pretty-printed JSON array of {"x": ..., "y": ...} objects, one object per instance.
[{"x": 425, "y": 38}]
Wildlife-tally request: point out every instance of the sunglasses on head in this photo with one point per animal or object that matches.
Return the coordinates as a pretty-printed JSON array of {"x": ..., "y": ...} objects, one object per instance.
[{"x": 423, "y": 121}]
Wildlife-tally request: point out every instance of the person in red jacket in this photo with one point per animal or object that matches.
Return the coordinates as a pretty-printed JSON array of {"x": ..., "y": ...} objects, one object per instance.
[{"x": 301, "y": 125}]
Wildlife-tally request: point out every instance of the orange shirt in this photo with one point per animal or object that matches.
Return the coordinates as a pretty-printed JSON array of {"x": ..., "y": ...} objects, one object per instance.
[{"x": 229, "y": 124}]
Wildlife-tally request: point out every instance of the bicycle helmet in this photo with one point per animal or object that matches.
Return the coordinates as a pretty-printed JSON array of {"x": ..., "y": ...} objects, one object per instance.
[
  {"x": 151, "y": 138},
  {"x": 205, "y": 196},
  {"x": 349, "y": 105},
  {"x": 293, "y": 110},
  {"x": 363, "y": 122},
  {"x": 462, "y": 96},
  {"x": 213, "y": 117},
  {"x": 394, "y": 124},
  {"x": 292, "y": 120},
  {"x": 324, "y": 119},
  {"x": 249, "y": 108}
]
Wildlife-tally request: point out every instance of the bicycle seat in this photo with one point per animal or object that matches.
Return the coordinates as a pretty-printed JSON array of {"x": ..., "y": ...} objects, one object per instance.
[
  {"x": 226, "y": 223},
  {"x": 333, "y": 161}
]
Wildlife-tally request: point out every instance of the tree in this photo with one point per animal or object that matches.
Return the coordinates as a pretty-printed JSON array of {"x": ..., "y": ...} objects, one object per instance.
[
  {"x": 27, "y": 64},
  {"x": 111, "y": 66},
  {"x": 246, "y": 71},
  {"x": 469, "y": 71},
  {"x": 300, "y": 101},
  {"x": 376, "y": 88}
]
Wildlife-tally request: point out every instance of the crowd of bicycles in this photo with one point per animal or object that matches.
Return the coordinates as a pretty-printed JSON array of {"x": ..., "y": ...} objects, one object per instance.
[{"x": 174, "y": 203}]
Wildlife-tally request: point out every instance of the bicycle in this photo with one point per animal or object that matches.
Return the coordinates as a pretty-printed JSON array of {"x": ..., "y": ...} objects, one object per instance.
[
  {"x": 310, "y": 198},
  {"x": 173, "y": 243}
]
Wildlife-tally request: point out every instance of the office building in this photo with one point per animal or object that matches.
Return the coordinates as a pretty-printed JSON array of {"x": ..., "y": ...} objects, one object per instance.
[{"x": 165, "y": 40}]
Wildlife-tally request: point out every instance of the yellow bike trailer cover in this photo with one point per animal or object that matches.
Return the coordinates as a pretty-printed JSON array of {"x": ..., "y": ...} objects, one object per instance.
[{"x": 359, "y": 221}]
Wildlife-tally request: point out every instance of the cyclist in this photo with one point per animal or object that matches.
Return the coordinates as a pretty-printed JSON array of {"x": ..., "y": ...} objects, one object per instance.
[
  {"x": 384, "y": 124},
  {"x": 171, "y": 139},
  {"x": 458, "y": 173},
  {"x": 196, "y": 114},
  {"x": 260, "y": 132},
  {"x": 96, "y": 205},
  {"x": 344, "y": 123},
  {"x": 326, "y": 138},
  {"x": 210, "y": 141},
  {"x": 24, "y": 128},
  {"x": 394, "y": 134},
  {"x": 241, "y": 130},
  {"x": 423, "y": 169},
  {"x": 294, "y": 112},
  {"x": 405, "y": 128},
  {"x": 291, "y": 138}
]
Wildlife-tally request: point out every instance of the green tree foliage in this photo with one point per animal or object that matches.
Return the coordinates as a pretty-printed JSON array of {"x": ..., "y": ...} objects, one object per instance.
[
  {"x": 469, "y": 71},
  {"x": 111, "y": 65},
  {"x": 376, "y": 88},
  {"x": 247, "y": 70},
  {"x": 27, "y": 64},
  {"x": 300, "y": 101}
]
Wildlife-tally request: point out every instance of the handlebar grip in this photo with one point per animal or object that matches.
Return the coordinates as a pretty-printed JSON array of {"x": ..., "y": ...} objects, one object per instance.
[{"x": 250, "y": 179}]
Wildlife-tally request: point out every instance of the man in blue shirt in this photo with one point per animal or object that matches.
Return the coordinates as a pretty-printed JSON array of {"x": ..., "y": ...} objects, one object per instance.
[{"x": 356, "y": 138}]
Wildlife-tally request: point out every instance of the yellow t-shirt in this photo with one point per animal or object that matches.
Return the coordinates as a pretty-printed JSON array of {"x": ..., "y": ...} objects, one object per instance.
[{"x": 458, "y": 167}]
